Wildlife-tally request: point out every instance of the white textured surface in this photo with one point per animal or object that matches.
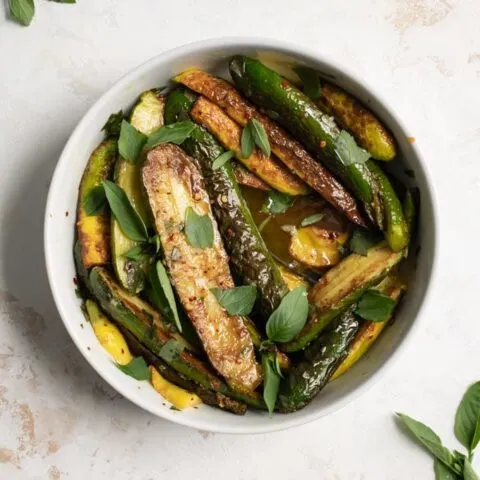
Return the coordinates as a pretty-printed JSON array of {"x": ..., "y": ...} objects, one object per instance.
[{"x": 58, "y": 419}]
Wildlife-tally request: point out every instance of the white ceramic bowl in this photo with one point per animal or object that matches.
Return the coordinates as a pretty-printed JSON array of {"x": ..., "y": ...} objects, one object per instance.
[{"x": 59, "y": 234}]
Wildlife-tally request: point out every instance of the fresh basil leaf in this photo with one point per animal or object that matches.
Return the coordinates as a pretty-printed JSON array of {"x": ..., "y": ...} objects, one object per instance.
[
  {"x": 114, "y": 124},
  {"x": 95, "y": 201},
  {"x": 311, "y": 219},
  {"x": 260, "y": 136},
  {"x": 277, "y": 202},
  {"x": 163, "y": 282},
  {"x": 469, "y": 472},
  {"x": 310, "y": 80},
  {"x": 348, "y": 151},
  {"x": 22, "y": 11},
  {"x": 264, "y": 223},
  {"x": 467, "y": 416},
  {"x": 198, "y": 229},
  {"x": 476, "y": 436},
  {"x": 442, "y": 472},
  {"x": 277, "y": 367},
  {"x": 136, "y": 253},
  {"x": 375, "y": 306},
  {"x": 237, "y": 300},
  {"x": 290, "y": 316},
  {"x": 155, "y": 242},
  {"x": 130, "y": 222},
  {"x": 271, "y": 383},
  {"x": 137, "y": 368},
  {"x": 429, "y": 439},
  {"x": 131, "y": 142},
  {"x": 174, "y": 133},
  {"x": 362, "y": 240},
  {"x": 222, "y": 159},
  {"x": 171, "y": 350},
  {"x": 247, "y": 143}
]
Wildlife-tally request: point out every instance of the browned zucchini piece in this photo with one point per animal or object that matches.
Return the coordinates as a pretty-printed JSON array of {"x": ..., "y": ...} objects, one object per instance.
[
  {"x": 229, "y": 134},
  {"x": 247, "y": 178},
  {"x": 173, "y": 184},
  {"x": 285, "y": 147},
  {"x": 94, "y": 230}
]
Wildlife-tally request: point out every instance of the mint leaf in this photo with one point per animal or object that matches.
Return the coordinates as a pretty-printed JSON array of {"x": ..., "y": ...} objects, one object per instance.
[
  {"x": 290, "y": 316},
  {"x": 137, "y": 369},
  {"x": 247, "y": 143},
  {"x": 442, "y": 472},
  {"x": 362, "y": 240},
  {"x": 375, "y": 306},
  {"x": 468, "y": 472},
  {"x": 467, "y": 416},
  {"x": 198, "y": 229},
  {"x": 310, "y": 80},
  {"x": 130, "y": 222},
  {"x": 22, "y": 11},
  {"x": 237, "y": 300},
  {"x": 311, "y": 219},
  {"x": 95, "y": 201},
  {"x": 348, "y": 151},
  {"x": 222, "y": 159},
  {"x": 259, "y": 136},
  {"x": 113, "y": 125},
  {"x": 271, "y": 383},
  {"x": 277, "y": 202},
  {"x": 171, "y": 350},
  {"x": 175, "y": 133}
]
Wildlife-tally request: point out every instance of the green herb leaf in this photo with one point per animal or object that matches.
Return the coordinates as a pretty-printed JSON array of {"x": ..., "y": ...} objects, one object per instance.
[
  {"x": 264, "y": 223},
  {"x": 311, "y": 219},
  {"x": 155, "y": 242},
  {"x": 271, "y": 383},
  {"x": 476, "y": 436},
  {"x": 348, "y": 151},
  {"x": 130, "y": 222},
  {"x": 467, "y": 416},
  {"x": 375, "y": 306},
  {"x": 174, "y": 133},
  {"x": 277, "y": 202},
  {"x": 163, "y": 282},
  {"x": 429, "y": 439},
  {"x": 362, "y": 240},
  {"x": 237, "y": 300},
  {"x": 247, "y": 143},
  {"x": 198, "y": 229},
  {"x": 260, "y": 136},
  {"x": 131, "y": 142},
  {"x": 222, "y": 159},
  {"x": 290, "y": 316},
  {"x": 95, "y": 201},
  {"x": 114, "y": 124},
  {"x": 442, "y": 472},
  {"x": 136, "y": 253},
  {"x": 277, "y": 367},
  {"x": 137, "y": 368},
  {"x": 22, "y": 11},
  {"x": 171, "y": 350},
  {"x": 469, "y": 472},
  {"x": 310, "y": 80}
]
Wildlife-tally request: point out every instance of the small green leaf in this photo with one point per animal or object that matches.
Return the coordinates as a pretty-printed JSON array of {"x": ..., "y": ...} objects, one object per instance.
[
  {"x": 95, "y": 201},
  {"x": 375, "y": 306},
  {"x": 22, "y": 11},
  {"x": 467, "y": 415},
  {"x": 271, "y": 383},
  {"x": 311, "y": 219},
  {"x": 348, "y": 151},
  {"x": 175, "y": 133},
  {"x": 310, "y": 80},
  {"x": 137, "y": 368},
  {"x": 469, "y": 472},
  {"x": 163, "y": 282},
  {"x": 198, "y": 229},
  {"x": 171, "y": 350},
  {"x": 476, "y": 436},
  {"x": 264, "y": 223},
  {"x": 130, "y": 222},
  {"x": 277, "y": 367},
  {"x": 222, "y": 159},
  {"x": 277, "y": 202},
  {"x": 362, "y": 240},
  {"x": 290, "y": 316},
  {"x": 131, "y": 142},
  {"x": 442, "y": 472},
  {"x": 247, "y": 143},
  {"x": 260, "y": 136},
  {"x": 237, "y": 300},
  {"x": 114, "y": 124},
  {"x": 136, "y": 253},
  {"x": 155, "y": 242}
]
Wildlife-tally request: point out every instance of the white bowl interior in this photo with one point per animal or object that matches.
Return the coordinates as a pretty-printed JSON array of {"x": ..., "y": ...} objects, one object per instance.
[{"x": 59, "y": 235}]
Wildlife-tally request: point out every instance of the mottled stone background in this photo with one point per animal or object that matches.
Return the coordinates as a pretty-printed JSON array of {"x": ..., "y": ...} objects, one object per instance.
[{"x": 58, "y": 419}]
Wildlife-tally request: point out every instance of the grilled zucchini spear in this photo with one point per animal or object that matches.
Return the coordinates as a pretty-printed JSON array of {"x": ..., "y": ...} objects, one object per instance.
[
  {"x": 286, "y": 148},
  {"x": 317, "y": 130},
  {"x": 173, "y": 185},
  {"x": 248, "y": 253}
]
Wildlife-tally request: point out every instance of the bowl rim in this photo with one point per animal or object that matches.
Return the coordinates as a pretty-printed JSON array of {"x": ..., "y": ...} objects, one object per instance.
[{"x": 240, "y": 42}]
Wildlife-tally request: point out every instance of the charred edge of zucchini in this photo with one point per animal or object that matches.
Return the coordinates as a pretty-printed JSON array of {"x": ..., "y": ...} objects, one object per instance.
[{"x": 247, "y": 178}]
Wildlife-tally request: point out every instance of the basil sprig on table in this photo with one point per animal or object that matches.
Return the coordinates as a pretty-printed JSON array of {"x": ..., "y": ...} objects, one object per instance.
[
  {"x": 137, "y": 369},
  {"x": 198, "y": 229},
  {"x": 22, "y": 11},
  {"x": 254, "y": 134},
  {"x": 452, "y": 465},
  {"x": 237, "y": 300}
]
